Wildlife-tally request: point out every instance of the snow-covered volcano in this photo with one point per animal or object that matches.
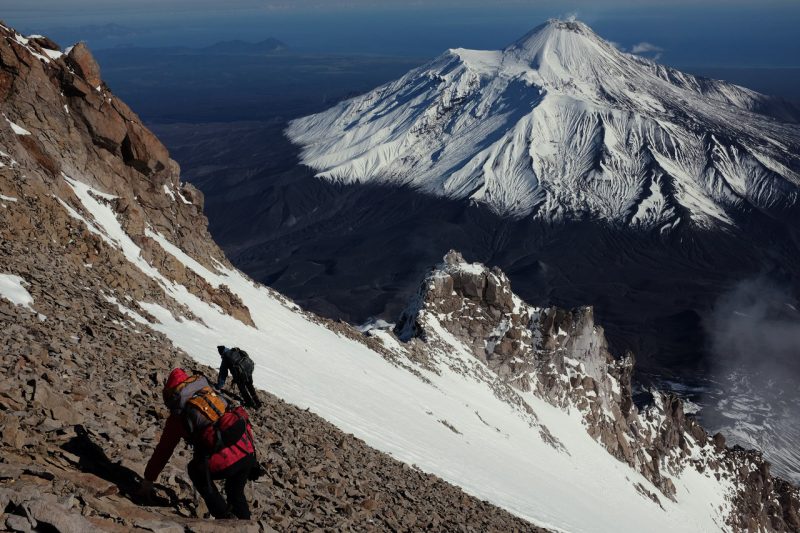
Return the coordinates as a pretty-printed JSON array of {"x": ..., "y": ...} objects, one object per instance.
[{"x": 564, "y": 125}]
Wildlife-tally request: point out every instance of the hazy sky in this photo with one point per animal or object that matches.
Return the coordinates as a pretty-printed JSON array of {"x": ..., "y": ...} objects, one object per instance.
[{"x": 680, "y": 32}]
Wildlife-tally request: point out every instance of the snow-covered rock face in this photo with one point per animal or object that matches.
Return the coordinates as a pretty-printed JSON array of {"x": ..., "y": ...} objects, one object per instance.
[
  {"x": 564, "y": 125},
  {"x": 559, "y": 356},
  {"x": 527, "y": 355}
]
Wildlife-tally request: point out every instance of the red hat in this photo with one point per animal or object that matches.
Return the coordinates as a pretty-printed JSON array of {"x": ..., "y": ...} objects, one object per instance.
[{"x": 176, "y": 377}]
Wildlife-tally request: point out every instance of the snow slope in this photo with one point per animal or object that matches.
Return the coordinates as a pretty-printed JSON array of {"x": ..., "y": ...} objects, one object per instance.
[
  {"x": 446, "y": 422},
  {"x": 564, "y": 125}
]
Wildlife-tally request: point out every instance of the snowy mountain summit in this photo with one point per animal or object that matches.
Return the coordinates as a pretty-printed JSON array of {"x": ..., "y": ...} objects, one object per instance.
[{"x": 563, "y": 125}]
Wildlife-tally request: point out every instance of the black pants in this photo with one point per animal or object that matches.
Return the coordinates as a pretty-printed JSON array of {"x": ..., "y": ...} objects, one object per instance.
[
  {"x": 247, "y": 391},
  {"x": 235, "y": 477}
]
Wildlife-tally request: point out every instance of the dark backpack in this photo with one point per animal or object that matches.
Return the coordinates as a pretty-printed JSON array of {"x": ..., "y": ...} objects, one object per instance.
[{"x": 240, "y": 363}]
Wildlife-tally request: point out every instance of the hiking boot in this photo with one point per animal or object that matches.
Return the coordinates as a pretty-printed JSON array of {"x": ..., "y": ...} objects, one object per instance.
[{"x": 228, "y": 514}]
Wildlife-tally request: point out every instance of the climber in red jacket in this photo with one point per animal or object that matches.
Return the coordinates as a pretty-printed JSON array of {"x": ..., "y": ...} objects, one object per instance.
[{"x": 222, "y": 439}]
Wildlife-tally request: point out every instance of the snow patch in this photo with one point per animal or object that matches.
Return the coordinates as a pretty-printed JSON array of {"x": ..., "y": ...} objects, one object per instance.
[
  {"x": 26, "y": 41},
  {"x": 12, "y": 288},
  {"x": 375, "y": 325},
  {"x": 470, "y": 268},
  {"x": 690, "y": 408},
  {"x": 16, "y": 128},
  {"x": 127, "y": 312},
  {"x": 52, "y": 54},
  {"x": 169, "y": 192},
  {"x": 10, "y": 159},
  {"x": 183, "y": 199}
]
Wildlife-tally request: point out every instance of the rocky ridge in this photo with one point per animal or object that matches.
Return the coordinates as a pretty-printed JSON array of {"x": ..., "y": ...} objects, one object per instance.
[
  {"x": 79, "y": 398},
  {"x": 562, "y": 356},
  {"x": 76, "y": 128}
]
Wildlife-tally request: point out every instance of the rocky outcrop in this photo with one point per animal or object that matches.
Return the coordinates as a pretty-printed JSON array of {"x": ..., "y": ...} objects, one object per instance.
[
  {"x": 562, "y": 356},
  {"x": 78, "y": 128},
  {"x": 80, "y": 377},
  {"x": 81, "y": 60}
]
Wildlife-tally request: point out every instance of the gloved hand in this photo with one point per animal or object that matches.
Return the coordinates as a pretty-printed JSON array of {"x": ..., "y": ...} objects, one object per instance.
[{"x": 145, "y": 491}]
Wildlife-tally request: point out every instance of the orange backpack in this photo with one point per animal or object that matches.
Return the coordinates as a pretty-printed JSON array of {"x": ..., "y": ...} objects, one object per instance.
[{"x": 197, "y": 402}]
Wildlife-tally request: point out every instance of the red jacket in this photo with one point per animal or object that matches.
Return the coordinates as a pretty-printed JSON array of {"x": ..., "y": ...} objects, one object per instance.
[{"x": 174, "y": 431}]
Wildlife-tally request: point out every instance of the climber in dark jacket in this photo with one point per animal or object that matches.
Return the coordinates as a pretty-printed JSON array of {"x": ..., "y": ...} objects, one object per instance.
[{"x": 241, "y": 368}]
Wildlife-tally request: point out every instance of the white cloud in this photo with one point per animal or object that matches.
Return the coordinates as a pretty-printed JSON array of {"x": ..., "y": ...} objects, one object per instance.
[{"x": 645, "y": 47}]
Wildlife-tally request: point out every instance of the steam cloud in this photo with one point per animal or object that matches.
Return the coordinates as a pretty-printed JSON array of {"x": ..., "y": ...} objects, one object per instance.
[
  {"x": 645, "y": 47},
  {"x": 755, "y": 342},
  {"x": 757, "y": 325}
]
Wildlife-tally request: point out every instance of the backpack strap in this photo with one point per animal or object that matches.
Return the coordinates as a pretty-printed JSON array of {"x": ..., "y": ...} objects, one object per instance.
[
  {"x": 252, "y": 444},
  {"x": 202, "y": 394}
]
